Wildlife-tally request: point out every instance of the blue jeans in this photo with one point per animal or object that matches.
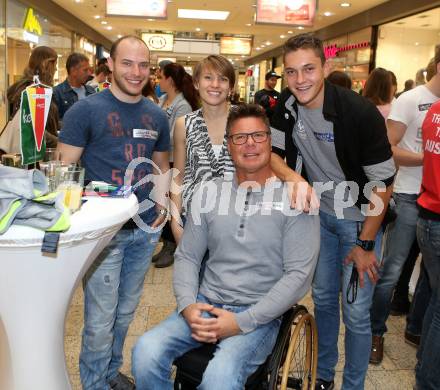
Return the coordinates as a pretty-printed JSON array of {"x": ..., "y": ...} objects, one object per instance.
[
  {"x": 112, "y": 289},
  {"x": 235, "y": 359},
  {"x": 399, "y": 239},
  {"x": 428, "y": 355},
  {"x": 338, "y": 237},
  {"x": 419, "y": 304}
]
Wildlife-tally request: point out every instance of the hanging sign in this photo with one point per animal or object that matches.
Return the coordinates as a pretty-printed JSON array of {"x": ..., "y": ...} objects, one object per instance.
[{"x": 34, "y": 109}]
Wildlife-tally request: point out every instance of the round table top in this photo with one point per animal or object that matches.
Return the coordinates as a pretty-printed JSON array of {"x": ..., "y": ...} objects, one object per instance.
[{"x": 95, "y": 214}]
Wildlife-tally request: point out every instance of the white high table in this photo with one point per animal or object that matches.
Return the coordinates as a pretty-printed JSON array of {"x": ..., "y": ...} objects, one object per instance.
[{"x": 36, "y": 290}]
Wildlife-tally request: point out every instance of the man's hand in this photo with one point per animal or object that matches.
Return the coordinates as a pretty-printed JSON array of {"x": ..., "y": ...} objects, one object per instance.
[
  {"x": 159, "y": 221},
  {"x": 365, "y": 261},
  {"x": 177, "y": 230},
  {"x": 225, "y": 325},
  {"x": 201, "y": 327},
  {"x": 302, "y": 196}
]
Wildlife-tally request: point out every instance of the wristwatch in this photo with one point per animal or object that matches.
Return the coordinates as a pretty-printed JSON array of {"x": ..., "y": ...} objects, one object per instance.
[
  {"x": 366, "y": 245},
  {"x": 163, "y": 212}
]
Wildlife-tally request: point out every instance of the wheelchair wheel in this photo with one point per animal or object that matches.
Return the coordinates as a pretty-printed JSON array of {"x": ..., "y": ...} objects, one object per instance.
[{"x": 299, "y": 368}]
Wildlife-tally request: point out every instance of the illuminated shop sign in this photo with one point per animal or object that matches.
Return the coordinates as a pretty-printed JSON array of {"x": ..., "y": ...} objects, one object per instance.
[
  {"x": 140, "y": 8},
  {"x": 159, "y": 42},
  {"x": 31, "y": 23},
  {"x": 331, "y": 51},
  {"x": 287, "y": 12},
  {"x": 235, "y": 46}
]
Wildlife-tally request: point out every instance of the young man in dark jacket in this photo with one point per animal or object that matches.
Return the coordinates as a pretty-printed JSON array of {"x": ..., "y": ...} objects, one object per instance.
[{"x": 338, "y": 140}]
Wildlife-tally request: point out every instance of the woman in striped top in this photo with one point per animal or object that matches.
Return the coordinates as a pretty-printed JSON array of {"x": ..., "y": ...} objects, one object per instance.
[{"x": 200, "y": 144}]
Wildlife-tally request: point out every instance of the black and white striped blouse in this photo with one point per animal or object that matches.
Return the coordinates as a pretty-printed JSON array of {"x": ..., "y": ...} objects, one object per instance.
[{"x": 201, "y": 162}]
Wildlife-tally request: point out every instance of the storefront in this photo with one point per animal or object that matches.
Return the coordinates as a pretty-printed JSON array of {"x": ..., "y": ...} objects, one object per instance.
[
  {"x": 352, "y": 54},
  {"x": 26, "y": 29},
  {"x": 406, "y": 46}
]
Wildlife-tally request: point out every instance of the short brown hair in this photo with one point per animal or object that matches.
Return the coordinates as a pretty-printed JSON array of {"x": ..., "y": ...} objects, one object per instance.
[
  {"x": 74, "y": 59},
  {"x": 117, "y": 42},
  {"x": 219, "y": 64},
  {"x": 246, "y": 111},
  {"x": 304, "y": 41}
]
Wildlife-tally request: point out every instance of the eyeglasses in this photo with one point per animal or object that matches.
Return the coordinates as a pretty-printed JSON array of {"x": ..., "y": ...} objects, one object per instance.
[{"x": 257, "y": 136}]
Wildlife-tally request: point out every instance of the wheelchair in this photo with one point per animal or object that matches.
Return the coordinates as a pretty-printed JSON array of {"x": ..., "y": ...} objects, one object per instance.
[{"x": 291, "y": 365}]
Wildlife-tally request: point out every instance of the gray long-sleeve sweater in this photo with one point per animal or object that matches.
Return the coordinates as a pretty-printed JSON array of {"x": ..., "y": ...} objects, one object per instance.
[{"x": 261, "y": 253}]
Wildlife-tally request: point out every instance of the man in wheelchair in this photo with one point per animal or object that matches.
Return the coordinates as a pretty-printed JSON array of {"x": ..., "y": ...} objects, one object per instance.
[{"x": 262, "y": 255}]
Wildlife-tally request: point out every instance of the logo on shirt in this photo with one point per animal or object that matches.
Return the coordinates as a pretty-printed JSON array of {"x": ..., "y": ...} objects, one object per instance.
[
  {"x": 144, "y": 133},
  {"x": 425, "y": 107},
  {"x": 300, "y": 129},
  {"x": 326, "y": 137}
]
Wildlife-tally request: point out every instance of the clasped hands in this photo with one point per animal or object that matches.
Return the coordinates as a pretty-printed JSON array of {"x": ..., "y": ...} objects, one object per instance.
[{"x": 210, "y": 329}]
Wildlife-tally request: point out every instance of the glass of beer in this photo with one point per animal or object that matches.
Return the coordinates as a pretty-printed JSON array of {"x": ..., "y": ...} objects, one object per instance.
[{"x": 70, "y": 182}]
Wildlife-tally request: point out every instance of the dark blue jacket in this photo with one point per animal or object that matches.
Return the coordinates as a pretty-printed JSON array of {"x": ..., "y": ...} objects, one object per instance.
[{"x": 65, "y": 97}]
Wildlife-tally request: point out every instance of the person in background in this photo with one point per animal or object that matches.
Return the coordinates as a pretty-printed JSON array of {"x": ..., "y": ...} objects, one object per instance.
[
  {"x": 268, "y": 96},
  {"x": 107, "y": 131},
  {"x": 74, "y": 88},
  {"x": 340, "y": 78},
  {"x": 409, "y": 84},
  {"x": 379, "y": 90},
  {"x": 428, "y": 236},
  {"x": 102, "y": 74},
  {"x": 179, "y": 98},
  {"x": 148, "y": 90},
  {"x": 42, "y": 62},
  {"x": 404, "y": 125},
  {"x": 159, "y": 70}
]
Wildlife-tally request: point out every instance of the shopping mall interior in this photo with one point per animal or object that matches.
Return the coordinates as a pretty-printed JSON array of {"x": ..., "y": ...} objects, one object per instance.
[{"x": 358, "y": 36}]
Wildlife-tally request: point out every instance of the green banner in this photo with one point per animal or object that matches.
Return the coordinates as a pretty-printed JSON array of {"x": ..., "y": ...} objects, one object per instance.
[{"x": 29, "y": 151}]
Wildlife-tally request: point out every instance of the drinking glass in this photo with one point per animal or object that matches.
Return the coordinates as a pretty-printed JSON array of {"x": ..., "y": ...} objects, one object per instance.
[{"x": 70, "y": 182}]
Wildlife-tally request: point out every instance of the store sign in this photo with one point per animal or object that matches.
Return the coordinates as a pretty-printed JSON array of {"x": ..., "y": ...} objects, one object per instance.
[
  {"x": 159, "y": 42},
  {"x": 142, "y": 8},
  {"x": 31, "y": 23},
  {"x": 288, "y": 12},
  {"x": 332, "y": 51},
  {"x": 235, "y": 46}
]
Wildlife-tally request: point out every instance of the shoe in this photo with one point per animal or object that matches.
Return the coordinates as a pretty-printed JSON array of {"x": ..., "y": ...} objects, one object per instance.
[
  {"x": 376, "y": 355},
  {"x": 122, "y": 382},
  {"x": 158, "y": 254},
  {"x": 399, "y": 308},
  {"x": 412, "y": 339},
  {"x": 321, "y": 384},
  {"x": 167, "y": 255}
]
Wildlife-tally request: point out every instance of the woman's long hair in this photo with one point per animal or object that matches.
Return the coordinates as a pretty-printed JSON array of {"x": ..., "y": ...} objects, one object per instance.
[
  {"x": 42, "y": 62},
  {"x": 183, "y": 82},
  {"x": 378, "y": 88}
]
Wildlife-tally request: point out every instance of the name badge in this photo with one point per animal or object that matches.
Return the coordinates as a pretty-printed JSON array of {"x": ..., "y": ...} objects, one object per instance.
[{"x": 144, "y": 133}]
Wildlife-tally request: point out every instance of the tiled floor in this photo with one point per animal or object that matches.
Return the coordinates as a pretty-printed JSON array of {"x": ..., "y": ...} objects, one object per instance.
[{"x": 395, "y": 373}]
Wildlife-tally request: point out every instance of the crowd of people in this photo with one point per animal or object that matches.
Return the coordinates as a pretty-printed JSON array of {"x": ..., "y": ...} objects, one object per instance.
[{"x": 269, "y": 200}]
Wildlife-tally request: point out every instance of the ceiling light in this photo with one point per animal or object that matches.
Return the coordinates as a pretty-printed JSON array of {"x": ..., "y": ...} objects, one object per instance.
[
  {"x": 104, "y": 22},
  {"x": 268, "y": 43},
  {"x": 263, "y": 45},
  {"x": 97, "y": 16},
  {"x": 189, "y": 57},
  {"x": 258, "y": 48},
  {"x": 300, "y": 28},
  {"x": 290, "y": 32},
  {"x": 109, "y": 28},
  {"x": 417, "y": 43},
  {"x": 242, "y": 56},
  {"x": 198, "y": 28},
  {"x": 151, "y": 20},
  {"x": 248, "y": 24},
  {"x": 327, "y": 13},
  {"x": 282, "y": 36},
  {"x": 119, "y": 36},
  {"x": 202, "y": 14},
  {"x": 345, "y": 5}
]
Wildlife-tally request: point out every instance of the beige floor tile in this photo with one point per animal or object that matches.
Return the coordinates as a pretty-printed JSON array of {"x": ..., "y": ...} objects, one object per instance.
[
  {"x": 402, "y": 354},
  {"x": 74, "y": 320},
  {"x": 75, "y": 381},
  {"x": 139, "y": 324},
  {"x": 72, "y": 347},
  {"x": 158, "y": 295},
  {"x": 158, "y": 314},
  {"x": 78, "y": 296},
  {"x": 392, "y": 379},
  {"x": 162, "y": 275}
]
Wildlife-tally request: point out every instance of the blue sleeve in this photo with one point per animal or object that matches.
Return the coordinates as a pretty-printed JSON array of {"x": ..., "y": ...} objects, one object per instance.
[
  {"x": 163, "y": 142},
  {"x": 76, "y": 125}
]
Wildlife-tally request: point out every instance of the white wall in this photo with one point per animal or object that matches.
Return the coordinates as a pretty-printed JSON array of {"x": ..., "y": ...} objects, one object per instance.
[{"x": 397, "y": 50}]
